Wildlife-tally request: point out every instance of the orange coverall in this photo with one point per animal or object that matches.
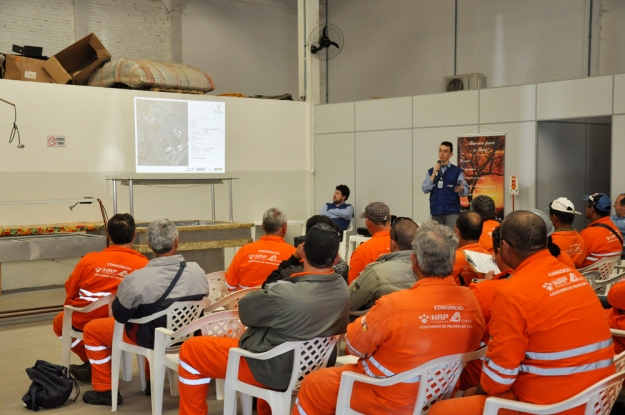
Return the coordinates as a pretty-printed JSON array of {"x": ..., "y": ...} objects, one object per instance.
[
  {"x": 254, "y": 262},
  {"x": 549, "y": 339},
  {"x": 616, "y": 315},
  {"x": 402, "y": 330},
  {"x": 462, "y": 267},
  {"x": 96, "y": 275},
  {"x": 367, "y": 252},
  {"x": 486, "y": 239},
  {"x": 484, "y": 292},
  {"x": 570, "y": 240},
  {"x": 600, "y": 242}
]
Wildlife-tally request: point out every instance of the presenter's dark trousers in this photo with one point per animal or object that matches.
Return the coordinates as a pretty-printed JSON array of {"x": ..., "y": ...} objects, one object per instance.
[{"x": 449, "y": 220}]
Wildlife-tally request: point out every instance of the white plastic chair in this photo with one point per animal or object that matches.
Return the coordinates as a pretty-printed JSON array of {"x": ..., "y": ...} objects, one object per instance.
[
  {"x": 603, "y": 286},
  {"x": 309, "y": 356},
  {"x": 217, "y": 276},
  {"x": 354, "y": 240},
  {"x": 179, "y": 314},
  {"x": 68, "y": 333},
  {"x": 230, "y": 301},
  {"x": 343, "y": 244},
  {"x": 224, "y": 324},
  {"x": 442, "y": 375},
  {"x": 599, "y": 399},
  {"x": 604, "y": 266}
]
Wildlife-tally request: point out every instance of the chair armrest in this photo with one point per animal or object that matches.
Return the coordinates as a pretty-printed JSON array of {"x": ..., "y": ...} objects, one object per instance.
[
  {"x": 237, "y": 352},
  {"x": 494, "y": 404},
  {"x": 480, "y": 353},
  {"x": 617, "y": 332},
  {"x": 95, "y": 305},
  {"x": 611, "y": 280}
]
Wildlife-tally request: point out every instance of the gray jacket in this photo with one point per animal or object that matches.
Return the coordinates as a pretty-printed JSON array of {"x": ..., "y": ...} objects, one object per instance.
[
  {"x": 299, "y": 308},
  {"x": 140, "y": 289},
  {"x": 391, "y": 272}
]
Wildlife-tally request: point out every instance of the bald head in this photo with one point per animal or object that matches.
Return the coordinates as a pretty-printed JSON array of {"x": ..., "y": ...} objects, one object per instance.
[
  {"x": 403, "y": 232},
  {"x": 469, "y": 225},
  {"x": 525, "y": 232}
]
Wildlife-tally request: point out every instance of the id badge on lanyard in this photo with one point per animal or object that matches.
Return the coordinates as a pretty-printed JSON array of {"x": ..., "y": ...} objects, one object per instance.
[{"x": 440, "y": 184}]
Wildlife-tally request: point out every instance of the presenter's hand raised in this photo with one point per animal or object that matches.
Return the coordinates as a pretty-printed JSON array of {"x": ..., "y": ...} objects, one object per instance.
[{"x": 436, "y": 168}]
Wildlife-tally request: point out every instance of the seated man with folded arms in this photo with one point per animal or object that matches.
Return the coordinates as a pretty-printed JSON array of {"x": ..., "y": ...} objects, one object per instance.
[
  {"x": 97, "y": 275},
  {"x": 294, "y": 264},
  {"x": 167, "y": 278},
  {"x": 378, "y": 221},
  {"x": 549, "y": 339},
  {"x": 403, "y": 330},
  {"x": 391, "y": 272},
  {"x": 485, "y": 206},
  {"x": 340, "y": 212},
  {"x": 312, "y": 303},
  {"x": 468, "y": 228},
  {"x": 253, "y": 262},
  {"x": 602, "y": 238},
  {"x": 562, "y": 213}
]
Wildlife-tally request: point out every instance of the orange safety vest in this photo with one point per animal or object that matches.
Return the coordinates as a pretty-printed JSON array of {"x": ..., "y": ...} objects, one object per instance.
[
  {"x": 98, "y": 275},
  {"x": 600, "y": 242},
  {"x": 406, "y": 329},
  {"x": 462, "y": 267},
  {"x": 368, "y": 252},
  {"x": 549, "y": 337},
  {"x": 486, "y": 239},
  {"x": 570, "y": 240},
  {"x": 253, "y": 262}
]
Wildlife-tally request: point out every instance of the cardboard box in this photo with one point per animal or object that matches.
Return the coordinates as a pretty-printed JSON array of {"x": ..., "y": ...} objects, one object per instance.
[
  {"x": 77, "y": 62},
  {"x": 21, "y": 68}
]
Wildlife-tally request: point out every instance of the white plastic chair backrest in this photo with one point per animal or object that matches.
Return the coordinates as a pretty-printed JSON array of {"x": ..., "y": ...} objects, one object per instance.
[
  {"x": 181, "y": 314},
  {"x": 224, "y": 324},
  {"x": 592, "y": 276},
  {"x": 604, "y": 266},
  {"x": 310, "y": 355},
  {"x": 217, "y": 276},
  {"x": 441, "y": 376},
  {"x": 602, "y": 395},
  {"x": 230, "y": 301},
  {"x": 619, "y": 362},
  {"x": 217, "y": 290}
]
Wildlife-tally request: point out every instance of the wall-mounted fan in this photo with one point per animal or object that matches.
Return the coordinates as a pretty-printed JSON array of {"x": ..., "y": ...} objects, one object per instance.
[{"x": 326, "y": 41}]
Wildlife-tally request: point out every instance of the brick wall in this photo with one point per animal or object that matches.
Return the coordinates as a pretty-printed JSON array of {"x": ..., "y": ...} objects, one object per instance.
[
  {"x": 127, "y": 28},
  {"x": 131, "y": 28},
  {"x": 47, "y": 23}
]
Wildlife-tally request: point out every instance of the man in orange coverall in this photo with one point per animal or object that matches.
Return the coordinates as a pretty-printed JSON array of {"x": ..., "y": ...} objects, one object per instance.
[
  {"x": 309, "y": 304},
  {"x": 616, "y": 315},
  {"x": 484, "y": 291},
  {"x": 562, "y": 213},
  {"x": 468, "y": 229},
  {"x": 602, "y": 238},
  {"x": 549, "y": 337},
  {"x": 378, "y": 221},
  {"x": 97, "y": 275},
  {"x": 403, "y": 330},
  {"x": 485, "y": 206},
  {"x": 253, "y": 262}
]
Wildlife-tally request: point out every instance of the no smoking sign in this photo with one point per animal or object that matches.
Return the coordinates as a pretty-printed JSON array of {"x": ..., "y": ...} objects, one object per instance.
[{"x": 56, "y": 141}]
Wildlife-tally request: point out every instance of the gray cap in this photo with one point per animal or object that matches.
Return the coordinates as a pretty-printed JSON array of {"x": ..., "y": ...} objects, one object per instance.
[{"x": 376, "y": 212}]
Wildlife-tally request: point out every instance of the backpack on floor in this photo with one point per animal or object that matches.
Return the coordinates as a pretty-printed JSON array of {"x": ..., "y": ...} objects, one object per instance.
[{"x": 52, "y": 386}]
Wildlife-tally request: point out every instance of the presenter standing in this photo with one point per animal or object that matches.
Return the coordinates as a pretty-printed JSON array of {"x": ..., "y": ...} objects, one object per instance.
[{"x": 445, "y": 183}]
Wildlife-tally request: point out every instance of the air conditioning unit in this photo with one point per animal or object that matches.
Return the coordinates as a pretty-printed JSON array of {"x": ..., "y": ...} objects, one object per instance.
[{"x": 464, "y": 82}]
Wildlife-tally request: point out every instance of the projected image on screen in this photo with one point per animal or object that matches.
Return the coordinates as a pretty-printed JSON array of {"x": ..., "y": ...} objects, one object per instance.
[{"x": 176, "y": 136}]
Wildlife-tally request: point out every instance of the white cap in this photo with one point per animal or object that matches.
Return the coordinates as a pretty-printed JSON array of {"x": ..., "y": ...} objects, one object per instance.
[{"x": 562, "y": 204}]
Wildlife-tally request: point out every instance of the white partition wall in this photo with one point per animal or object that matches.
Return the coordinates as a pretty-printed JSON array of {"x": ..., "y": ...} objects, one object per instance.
[{"x": 383, "y": 170}]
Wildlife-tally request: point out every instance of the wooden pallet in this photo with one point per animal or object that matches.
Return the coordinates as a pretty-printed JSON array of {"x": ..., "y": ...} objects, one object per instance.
[{"x": 178, "y": 91}]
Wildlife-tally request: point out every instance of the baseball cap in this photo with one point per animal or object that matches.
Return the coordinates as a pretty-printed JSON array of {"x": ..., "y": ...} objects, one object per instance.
[
  {"x": 600, "y": 202},
  {"x": 562, "y": 204},
  {"x": 321, "y": 244},
  {"x": 376, "y": 212},
  {"x": 545, "y": 218}
]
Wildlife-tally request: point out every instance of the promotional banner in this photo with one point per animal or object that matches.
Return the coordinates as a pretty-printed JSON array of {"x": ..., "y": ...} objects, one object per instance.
[{"x": 482, "y": 157}]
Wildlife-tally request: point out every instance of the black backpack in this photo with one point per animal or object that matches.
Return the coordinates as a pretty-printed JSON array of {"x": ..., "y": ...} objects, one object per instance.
[{"x": 52, "y": 386}]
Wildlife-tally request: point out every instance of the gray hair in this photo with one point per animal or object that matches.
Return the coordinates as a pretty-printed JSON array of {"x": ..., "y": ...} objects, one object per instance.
[
  {"x": 161, "y": 235},
  {"x": 273, "y": 220},
  {"x": 435, "y": 247}
]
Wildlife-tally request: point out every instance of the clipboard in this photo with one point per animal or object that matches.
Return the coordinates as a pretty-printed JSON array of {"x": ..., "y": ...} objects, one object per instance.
[{"x": 481, "y": 263}]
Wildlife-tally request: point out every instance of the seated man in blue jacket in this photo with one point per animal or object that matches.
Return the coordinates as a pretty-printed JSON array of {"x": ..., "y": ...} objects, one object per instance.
[
  {"x": 312, "y": 303},
  {"x": 340, "y": 212}
]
